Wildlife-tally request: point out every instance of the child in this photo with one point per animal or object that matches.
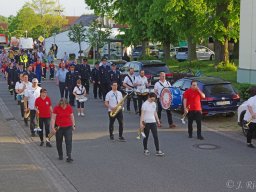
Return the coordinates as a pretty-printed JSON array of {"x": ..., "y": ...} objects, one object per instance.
[
  {"x": 52, "y": 68},
  {"x": 80, "y": 93}
]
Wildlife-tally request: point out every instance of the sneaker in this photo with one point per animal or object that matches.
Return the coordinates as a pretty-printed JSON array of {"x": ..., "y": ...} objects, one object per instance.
[
  {"x": 48, "y": 144},
  {"x": 60, "y": 157},
  {"x": 41, "y": 144},
  {"x": 143, "y": 135},
  {"x": 200, "y": 137},
  {"x": 69, "y": 159},
  {"x": 250, "y": 145},
  {"x": 159, "y": 153},
  {"x": 146, "y": 152},
  {"x": 112, "y": 137},
  {"x": 82, "y": 114},
  {"x": 78, "y": 114},
  {"x": 122, "y": 139}
]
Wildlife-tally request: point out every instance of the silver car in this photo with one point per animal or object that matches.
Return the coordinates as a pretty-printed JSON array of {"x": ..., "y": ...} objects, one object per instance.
[{"x": 202, "y": 52}]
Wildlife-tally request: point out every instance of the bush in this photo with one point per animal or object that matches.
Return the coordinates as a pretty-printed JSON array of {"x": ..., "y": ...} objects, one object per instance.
[
  {"x": 147, "y": 57},
  {"x": 246, "y": 91},
  {"x": 226, "y": 67}
]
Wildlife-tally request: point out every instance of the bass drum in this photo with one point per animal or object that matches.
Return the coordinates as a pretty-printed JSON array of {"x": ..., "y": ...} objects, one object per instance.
[{"x": 176, "y": 97}]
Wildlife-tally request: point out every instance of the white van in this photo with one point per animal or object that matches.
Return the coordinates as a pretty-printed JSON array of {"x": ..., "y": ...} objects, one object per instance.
[{"x": 26, "y": 43}]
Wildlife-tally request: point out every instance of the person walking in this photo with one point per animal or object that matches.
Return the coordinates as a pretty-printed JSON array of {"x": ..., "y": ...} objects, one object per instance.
[
  {"x": 192, "y": 106},
  {"x": 80, "y": 93},
  {"x": 43, "y": 106},
  {"x": 96, "y": 81},
  {"x": 148, "y": 122},
  {"x": 104, "y": 81},
  {"x": 60, "y": 80},
  {"x": 63, "y": 119}
]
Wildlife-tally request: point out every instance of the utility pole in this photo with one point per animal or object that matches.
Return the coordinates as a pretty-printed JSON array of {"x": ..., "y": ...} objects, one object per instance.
[{"x": 58, "y": 10}]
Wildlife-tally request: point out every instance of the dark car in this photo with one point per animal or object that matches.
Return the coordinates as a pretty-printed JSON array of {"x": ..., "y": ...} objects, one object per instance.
[
  {"x": 119, "y": 63},
  {"x": 221, "y": 97},
  {"x": 152, "y": 69}
]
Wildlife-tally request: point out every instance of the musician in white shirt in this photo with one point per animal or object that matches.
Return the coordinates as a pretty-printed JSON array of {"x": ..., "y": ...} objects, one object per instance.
[
  {"x": 80, "y": 93},
  {"x": 141, "y": 82},
  {"x": 162, "y": 83},
  {"x": 112, "y": 99},
  {"x": 128, "y": 83}
]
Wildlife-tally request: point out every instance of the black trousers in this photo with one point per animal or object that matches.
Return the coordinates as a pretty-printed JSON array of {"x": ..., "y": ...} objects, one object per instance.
[
  {"x": 65, "y": 132},
  {"x": 51, "y": 73},
  {"x": 44, "y": 123},
  {"x": 32, "y": 120},
  {"x": 71, "y": 96},
  {"x": 250, "y": 133},
  {"x": 135, "y": 104},
  {"x": 104, "y": 89},
  {"x": 80, "y": 104},
  {"x": 86, "y": 84},
  {"x": 141, "y": 99},
  {"x": 120, "y": 120},
  {"x": 63, "y": 90},
  {"x": 153, "y": 128},
  {"x": 96, "y": 89},
  {"x": 168, "y": 112},
  {"x": 197, "y": 116},
  {"x": 21, "y": 104},
  {"x": 44, "y": 71}
]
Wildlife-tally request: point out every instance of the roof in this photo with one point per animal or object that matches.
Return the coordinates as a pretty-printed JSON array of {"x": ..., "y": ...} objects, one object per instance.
[
  {"x": 71, "y": 19},
  {"x": 85, "y": 20},
  {"x": 208, "y": 80},
  {"x": 4, "y": 26}
]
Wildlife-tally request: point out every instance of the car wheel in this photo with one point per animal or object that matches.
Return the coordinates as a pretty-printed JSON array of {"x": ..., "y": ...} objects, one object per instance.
[
  {"x": 243, "y": 123},
  {"x": 211, "y": 57},
  {"x": 231, "y": 114}
]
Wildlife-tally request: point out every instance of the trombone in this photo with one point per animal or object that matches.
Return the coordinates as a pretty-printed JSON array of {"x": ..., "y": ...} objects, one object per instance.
[{"x": 184, "y": 115}]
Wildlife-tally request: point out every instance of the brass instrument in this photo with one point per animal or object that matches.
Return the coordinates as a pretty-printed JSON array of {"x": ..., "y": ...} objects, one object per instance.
[
  {"x": 119, "y": 106},
  {"x": 184, "y": 115},
  {"x": 248, "y": 123},
  {"x": 26, "y": 114},
  {"x": 51, "y": 134},
  {"x": 37, "y": 128}
]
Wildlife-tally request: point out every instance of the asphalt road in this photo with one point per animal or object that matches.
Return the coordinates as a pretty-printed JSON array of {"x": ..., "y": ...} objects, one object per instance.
[{"x": 217, "y": 164}]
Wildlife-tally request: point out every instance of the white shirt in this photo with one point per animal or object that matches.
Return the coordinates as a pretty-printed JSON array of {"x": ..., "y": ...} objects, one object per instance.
[
  {"x": 32, "y": 94},
  {"x": 160, "y": 85},
  {"x": 251, "y": 102},
  {"x": 149, "y": 111},
  {"x": 113, "y": 98},
  {"x": 20, "y": 85},
  {"x": 129, "y": 82},
  {"x": 79, "y": 91},
  {"x": 142, "y": 81}
]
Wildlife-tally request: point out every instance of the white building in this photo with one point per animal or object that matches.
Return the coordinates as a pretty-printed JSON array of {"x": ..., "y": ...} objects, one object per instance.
[{"x": 247, "y": 49}]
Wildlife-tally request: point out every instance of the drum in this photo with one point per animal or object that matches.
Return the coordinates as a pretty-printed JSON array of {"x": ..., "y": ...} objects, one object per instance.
[
  {"x": 165, "y": 98},
  {"x": 82, "y": 98},
  {"x": 176, "y": 97},
  {"x": 142, "y": 92}
]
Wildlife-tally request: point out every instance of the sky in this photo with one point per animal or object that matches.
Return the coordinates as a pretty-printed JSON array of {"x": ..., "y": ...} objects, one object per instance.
[{"x": 71, "y": 7}]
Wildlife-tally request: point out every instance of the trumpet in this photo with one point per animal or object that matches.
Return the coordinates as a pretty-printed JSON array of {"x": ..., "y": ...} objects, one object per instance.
[
  {"x": 52, "y": 133},
  {"x": 37, "y": 128},
  {"x": 248, "y": 123},
  {"x": 184, "y": 115}
]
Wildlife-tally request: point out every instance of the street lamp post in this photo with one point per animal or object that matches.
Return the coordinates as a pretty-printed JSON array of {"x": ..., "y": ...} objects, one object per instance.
[{"x": 26, "y": 33}]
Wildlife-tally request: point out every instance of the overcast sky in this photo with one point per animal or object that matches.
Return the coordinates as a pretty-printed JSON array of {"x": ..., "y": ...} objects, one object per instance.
[{"x": 71, "y": 7}]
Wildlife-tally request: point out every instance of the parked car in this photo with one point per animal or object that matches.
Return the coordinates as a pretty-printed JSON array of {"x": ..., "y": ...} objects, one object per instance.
[
  {"x": 137, "y": 52},
  {"x": 173, "y": 52},
  {"x": 152, "y": 69},
  {"x": 119, "y": 63},
  {"x": 240, "y": 117},
  {"x": 221, "y": 97},
  {"x": 202, "y": 52}
]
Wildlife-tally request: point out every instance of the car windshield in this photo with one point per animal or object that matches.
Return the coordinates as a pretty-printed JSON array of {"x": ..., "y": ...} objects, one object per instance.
[
  {"x": 155, "y": 69},
  {"x": 182, "y": 49},
  {"x": 137, "y": 49},
  {"x": 219, "y": 89}
]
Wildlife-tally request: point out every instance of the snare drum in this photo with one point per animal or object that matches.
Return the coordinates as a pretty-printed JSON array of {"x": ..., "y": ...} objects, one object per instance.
[
  {"x": 81, "y": 98},
  {"x": 142, "y": 92}
]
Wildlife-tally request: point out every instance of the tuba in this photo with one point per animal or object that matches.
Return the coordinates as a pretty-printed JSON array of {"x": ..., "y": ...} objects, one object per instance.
[{"x": 119, "y": 106}]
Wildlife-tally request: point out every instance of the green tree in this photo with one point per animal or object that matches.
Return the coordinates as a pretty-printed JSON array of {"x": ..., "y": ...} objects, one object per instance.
[
  {"x": 42, "y": 7},
  {"x": 77, "y": 35},
  {"x": 3, "y": 19},
  {"x": 97, "y": 35}
]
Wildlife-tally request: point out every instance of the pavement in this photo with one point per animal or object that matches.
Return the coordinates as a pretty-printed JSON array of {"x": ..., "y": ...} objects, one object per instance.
[{"x": 220, "y": 163}]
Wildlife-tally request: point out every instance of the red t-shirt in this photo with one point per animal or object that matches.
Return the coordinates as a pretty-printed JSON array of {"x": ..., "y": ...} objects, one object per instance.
[
  {"x": 43, "y": 106},
  {"x": 193, "y": 99},
  {"x": 63, "y": 116}
]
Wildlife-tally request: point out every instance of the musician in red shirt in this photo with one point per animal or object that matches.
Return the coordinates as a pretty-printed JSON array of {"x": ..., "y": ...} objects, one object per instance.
[
  {"x": 63, "y": 119},
  {"x": 43, "y": 105},
  {"x": 192, "y": 105}
]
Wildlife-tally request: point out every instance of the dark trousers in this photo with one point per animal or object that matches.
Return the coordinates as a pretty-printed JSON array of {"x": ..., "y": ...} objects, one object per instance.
[
  {"x": 21, "y": 104},
  {"x": 141, "y": 99},
  {"x": 32, "y": 120},
  {"x": 44, "y": 123},
  {"x": 80, "y": 104},
  {"x": 51, "y": 73},
  {"x": 153, "y": 128},
  {"x": 63, "y": 90},
  {"x": 104, "y": 90},
  {"x": 197, "y": 116},
  {"x": 71, "y": 96},
  {"x": 11, "y": 88},
  {"x": 250, "y": 133},
  {"x": 86, "y": 84},
  {"x": 44, "y": 71},
  {"x": 135, "y": 105},
  {"x": 119, "y": 118},
  {"x": 168, "y": 112},
  {"x": 65, "y": 132},
  {"x": 96, "y": 89}
]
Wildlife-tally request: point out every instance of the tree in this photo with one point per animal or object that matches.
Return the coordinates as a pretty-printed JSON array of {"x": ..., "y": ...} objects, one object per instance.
[
  {"x": 97, "y": 36},
  {"x": 77, "y": 35},
  {"x": 42, "y": 7},
  {"x": 3, "y": 19}
]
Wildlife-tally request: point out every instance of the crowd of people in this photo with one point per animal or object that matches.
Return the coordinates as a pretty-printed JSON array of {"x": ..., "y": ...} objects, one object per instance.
[{"x": 74, "y": 81}]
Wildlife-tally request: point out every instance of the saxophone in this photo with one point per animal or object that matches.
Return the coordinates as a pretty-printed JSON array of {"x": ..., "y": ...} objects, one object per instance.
[{"x": 119, "y": 107}]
